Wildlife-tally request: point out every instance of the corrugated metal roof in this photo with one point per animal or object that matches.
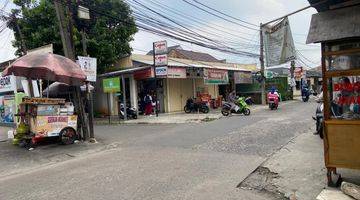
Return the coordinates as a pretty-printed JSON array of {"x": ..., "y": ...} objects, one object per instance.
[
  {"x": 334, "y": 25},
  {"x": 177, "y": 62},
  {"x": 147, "y": 62},
  {"x": 191, "y": 55},
  {"x": 321, "y": 5}
]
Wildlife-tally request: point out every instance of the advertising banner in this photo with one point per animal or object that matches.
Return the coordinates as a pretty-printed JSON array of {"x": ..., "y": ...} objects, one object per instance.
[
  {"x": 160, "y": 47},
  {"x": 7, "y": 108},
  {"x": 216, "y": 77},
  {"x": 161, "y": 71},
  {"x": 88, "y": 65},
  {"x": 7, "y": 83},
  {"x": 144, "y": 74},
  {"x": 52, "y": 125},
  {"x": 176, "y": 72},
  {"x": 243, "y": 78},
  {"x": 278, "y": 43},
  {"x": 161, "y": 60},
  {"x": 111, "y": 85}
]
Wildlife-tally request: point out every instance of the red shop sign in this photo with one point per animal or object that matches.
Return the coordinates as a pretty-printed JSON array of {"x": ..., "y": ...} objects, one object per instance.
[{"x": 144, "y": 74}]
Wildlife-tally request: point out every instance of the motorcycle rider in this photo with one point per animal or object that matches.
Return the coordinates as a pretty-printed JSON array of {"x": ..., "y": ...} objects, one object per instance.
[
  {"x": 274, "y": 91},
  {"x": 232, "y": 99}
]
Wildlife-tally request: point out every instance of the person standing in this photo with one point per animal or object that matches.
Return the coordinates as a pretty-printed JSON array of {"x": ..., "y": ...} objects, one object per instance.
[{"x": 148, "y": 104}]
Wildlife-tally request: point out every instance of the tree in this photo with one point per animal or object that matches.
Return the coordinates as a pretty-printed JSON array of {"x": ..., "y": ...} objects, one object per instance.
[{"x": 108, "y": 37}]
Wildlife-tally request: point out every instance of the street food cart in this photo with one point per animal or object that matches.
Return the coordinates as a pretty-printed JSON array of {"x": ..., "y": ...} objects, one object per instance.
[
  {"x": 338, "y": 32},
  {"x": 42, "y": 118},
  {"x": 48, "y": 117}
]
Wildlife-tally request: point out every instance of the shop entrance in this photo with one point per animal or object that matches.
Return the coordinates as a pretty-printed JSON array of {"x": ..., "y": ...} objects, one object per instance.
[{"x": 153, "y": 87}]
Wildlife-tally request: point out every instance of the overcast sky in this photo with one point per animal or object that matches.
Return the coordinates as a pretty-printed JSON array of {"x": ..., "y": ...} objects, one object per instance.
[{"x": 254, "y": 11}]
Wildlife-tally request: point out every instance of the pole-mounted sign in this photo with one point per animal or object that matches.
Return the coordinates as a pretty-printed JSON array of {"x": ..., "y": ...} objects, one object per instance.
[{"x": 160, "y": 63}]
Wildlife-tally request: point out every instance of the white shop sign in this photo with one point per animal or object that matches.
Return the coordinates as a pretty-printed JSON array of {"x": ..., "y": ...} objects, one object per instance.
[
  {"x": 7, "y": 83},
  {"x": 88, "y": 65},
  {"x": 161, "y": 60},
  {"x": 161, "y": 71}
]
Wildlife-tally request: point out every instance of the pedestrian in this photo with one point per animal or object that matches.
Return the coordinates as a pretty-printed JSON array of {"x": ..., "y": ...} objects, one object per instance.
[{"x": 148, "y": 104}]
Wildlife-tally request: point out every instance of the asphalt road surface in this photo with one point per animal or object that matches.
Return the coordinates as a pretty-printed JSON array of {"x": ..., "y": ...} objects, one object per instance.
[{"x": 182, "y": 161}]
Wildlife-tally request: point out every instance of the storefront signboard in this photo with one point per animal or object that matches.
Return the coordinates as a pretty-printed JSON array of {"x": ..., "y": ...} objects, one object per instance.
[
  {"x": 216, "y": 77},
  {"x": 161, "y": 60},
  {"x": 243, "y": 78},
  {"x": 111, "y": 85},
  {"x": 52, "y": 125},
  {"x": 161, "y": 71},
  {"x": 7, "y": 83},
  {"x": 160, "y": 47},
  {"x": 144, "y": 74},
  {"x": 176, "y": 72},
  {"x": 88, "y": 65}
]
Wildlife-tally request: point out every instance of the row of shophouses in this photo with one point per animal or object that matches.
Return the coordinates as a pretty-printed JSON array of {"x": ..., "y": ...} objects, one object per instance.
[
  {"x": 194, "y": 75},
  {"x": 189, "y": 75}
]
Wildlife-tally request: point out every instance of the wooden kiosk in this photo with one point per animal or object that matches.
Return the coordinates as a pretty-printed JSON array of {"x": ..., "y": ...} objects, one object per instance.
[{"x": 339, "y": 33}]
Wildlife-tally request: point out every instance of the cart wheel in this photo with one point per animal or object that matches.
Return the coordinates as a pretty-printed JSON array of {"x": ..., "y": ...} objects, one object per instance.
[
  {"x": 68, "y": 136},
  {"x": 331, "y": 173}
]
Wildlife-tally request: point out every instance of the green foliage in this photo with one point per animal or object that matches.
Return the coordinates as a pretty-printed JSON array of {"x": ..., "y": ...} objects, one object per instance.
[{"x": 107, "y": 37}]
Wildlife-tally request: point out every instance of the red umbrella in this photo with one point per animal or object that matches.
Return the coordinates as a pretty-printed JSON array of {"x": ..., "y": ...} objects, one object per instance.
[{"x": 47, "y": 66}]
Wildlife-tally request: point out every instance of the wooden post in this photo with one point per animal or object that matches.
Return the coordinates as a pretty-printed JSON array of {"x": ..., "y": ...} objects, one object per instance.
[{"x": 65, "y": 26}]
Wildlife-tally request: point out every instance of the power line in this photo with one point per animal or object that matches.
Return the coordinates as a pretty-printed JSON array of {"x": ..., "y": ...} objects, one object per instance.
[
  {"x": 191, "y": 19},
  {"x": 219, "y": 27},
  {"x": 213, "y": 9},
  {"x": 211, "y": 13},
  {"x": 169, "y": 33}
]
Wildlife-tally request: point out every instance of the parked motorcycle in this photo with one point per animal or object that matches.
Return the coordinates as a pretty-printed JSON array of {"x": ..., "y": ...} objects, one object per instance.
[
  {"x": 130, "y": 112},
  {"x": 273, "y": 100},
  {"x": 240, "y": 107},
  {"x": 192, "y": 106},
  {"x": 319, "y": 118}
]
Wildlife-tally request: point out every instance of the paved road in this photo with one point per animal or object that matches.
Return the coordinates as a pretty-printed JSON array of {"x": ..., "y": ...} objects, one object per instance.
[{"x": 188, "y": 161}]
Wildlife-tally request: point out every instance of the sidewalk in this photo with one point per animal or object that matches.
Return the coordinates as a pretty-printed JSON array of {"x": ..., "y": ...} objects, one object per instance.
[
  {"x": 173, "y": 118},
  {"x": 297, "y": 171}
]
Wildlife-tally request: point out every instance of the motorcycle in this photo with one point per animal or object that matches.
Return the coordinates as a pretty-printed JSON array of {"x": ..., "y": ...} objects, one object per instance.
[
  {"x": 130, "y": 112},
  {"x": 192, "y": 106},
  {"x": 319, "y": 118},
  {"x": 240, "y": 107},
  {"x": 273, "y": 100},
  {"x": 305, "y": 94}
]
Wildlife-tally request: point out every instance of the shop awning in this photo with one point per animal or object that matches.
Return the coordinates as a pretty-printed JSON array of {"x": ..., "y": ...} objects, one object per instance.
[
  {"x": 124, "y": 71},
  {"x": 335, "y": 25}
]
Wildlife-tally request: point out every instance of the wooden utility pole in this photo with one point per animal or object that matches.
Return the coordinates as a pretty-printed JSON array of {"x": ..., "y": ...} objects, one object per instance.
[
  {"x": 262, "y": 64},
  {"x": 65, "y": 26},
  {"x": 64, "y": 30}
]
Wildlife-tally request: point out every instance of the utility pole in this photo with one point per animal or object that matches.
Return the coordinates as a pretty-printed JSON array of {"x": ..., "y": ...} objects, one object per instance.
[
  {"x": 64, "y": 30},
  {"x": 23, "y": 45},
  {"x": 65, "y": 26},
  {"x": 262, "y": 65},
  {"x": 23, "y": 49},
  {"x": 89, "y": 94}
]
